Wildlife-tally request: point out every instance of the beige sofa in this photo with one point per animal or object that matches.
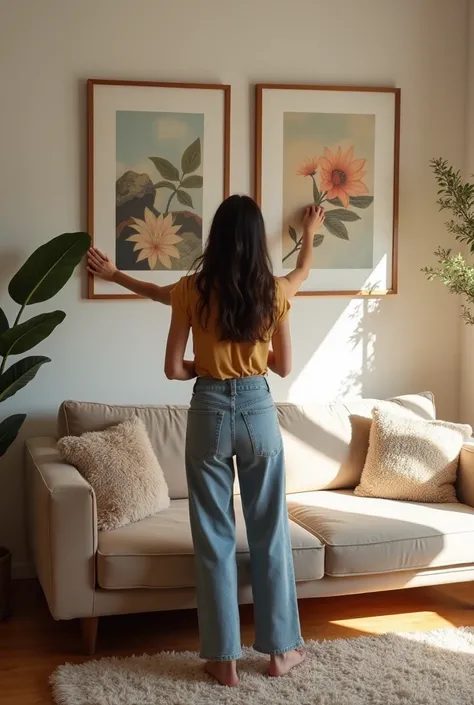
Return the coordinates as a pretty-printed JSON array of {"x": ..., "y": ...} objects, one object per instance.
[{"x": 342, "y": 544}]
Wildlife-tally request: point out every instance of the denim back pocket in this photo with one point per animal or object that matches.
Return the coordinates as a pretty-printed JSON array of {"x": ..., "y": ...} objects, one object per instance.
[
  {"x": 264, "y": 430},
  {"x": 203, "y": 432}
]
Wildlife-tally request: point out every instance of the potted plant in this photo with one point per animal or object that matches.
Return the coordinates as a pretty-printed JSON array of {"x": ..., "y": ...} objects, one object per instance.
[
  {"x": 457, "y": 196},
  {"x": 44, "y": 273}
]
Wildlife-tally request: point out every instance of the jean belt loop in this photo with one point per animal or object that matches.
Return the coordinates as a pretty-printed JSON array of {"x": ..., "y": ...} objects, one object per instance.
[
  {"x": 233, "y": 387},
  {"x": 268, "y": 386}
]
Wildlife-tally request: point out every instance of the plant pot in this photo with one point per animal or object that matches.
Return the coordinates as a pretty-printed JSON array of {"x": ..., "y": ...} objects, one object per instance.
[{"x": 5, "y": 583}]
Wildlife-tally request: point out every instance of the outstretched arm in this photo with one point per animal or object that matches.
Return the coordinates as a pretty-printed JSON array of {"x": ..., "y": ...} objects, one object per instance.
[
  {"x": 313, "y": 218},
  {"x": 101, "y": 266}
]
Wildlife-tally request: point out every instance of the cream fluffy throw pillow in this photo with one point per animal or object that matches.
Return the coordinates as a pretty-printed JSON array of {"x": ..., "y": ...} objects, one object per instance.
[
  {"x": 411, "y": 458},
  {"x": 122, "y": 469}
]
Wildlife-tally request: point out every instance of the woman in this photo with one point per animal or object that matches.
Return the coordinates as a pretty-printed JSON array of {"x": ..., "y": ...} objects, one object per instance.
[{"x": 235, "y": 308}]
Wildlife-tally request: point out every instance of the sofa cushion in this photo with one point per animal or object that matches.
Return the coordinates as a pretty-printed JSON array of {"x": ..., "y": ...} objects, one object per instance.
[
  {"x": 158, "y": 552},
  {"x": 121, "y": 467},
  {"x": 165, "y": 425},
  {"x": 412, "y": 459},
  {"x": 326, "y": 444},
  {"x": 365, "y": 535}
]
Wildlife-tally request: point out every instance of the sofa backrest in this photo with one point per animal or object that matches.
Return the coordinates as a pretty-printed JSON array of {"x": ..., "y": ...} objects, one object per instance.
[
  {"x": 325, "y": 445},
  {"x": 166, "y": 426}
]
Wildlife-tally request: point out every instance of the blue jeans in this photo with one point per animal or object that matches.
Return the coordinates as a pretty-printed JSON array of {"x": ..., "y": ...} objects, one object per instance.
[{"x": 229, "y": 418}]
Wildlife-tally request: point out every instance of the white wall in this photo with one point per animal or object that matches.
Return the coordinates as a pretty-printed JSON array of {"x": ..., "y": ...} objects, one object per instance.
[
  {"x": 113, "y": 351},
  {"x": 467, "y": 340}
]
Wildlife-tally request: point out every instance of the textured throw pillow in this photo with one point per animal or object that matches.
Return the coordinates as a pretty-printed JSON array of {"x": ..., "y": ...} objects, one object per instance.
[
  {"x": 122, "y": 469},
  {"x": 411, "y": 458}
]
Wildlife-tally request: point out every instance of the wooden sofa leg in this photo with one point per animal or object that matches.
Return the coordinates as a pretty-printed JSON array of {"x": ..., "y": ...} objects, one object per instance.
[{"x": 89, "y": 627}]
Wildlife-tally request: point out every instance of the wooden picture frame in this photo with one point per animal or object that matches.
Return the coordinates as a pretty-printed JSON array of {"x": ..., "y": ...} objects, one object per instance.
[
  {"x": 355, "y": 131},
  {"x": 158, "y": 167}
]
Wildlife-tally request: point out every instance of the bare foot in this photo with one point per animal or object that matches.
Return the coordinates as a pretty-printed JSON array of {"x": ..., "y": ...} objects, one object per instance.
[
  {"x": 281, "y": 664},
  {"x": 225, "y": 672}
]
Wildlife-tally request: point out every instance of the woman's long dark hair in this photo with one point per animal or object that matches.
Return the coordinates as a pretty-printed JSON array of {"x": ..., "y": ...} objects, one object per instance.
[{"x": 235, "y": 270}]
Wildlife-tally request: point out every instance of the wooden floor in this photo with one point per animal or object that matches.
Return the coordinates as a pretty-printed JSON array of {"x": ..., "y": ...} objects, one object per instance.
[{"x": 32, "y": 644}]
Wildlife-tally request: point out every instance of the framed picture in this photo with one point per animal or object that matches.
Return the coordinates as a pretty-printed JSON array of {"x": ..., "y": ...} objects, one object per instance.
[
  {"x": 336, "y": 147},
  {"x": 158, "y": 169}
]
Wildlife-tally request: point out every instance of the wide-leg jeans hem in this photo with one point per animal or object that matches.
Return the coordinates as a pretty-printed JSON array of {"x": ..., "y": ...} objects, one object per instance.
[
  {"x": 233, "y": 657},
  {"x": 276, "y": 652}
]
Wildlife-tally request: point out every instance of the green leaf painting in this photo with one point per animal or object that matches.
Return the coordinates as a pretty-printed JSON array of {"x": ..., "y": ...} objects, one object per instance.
[
  {"x": 292, "y": 233},
  {"x": 361, "y": 201},
  {"x": 337, "y": 228},
  {"x": 165, "y": 184},
  {"x": 193, "y": 181},
  {"x": 184, "y": 198},
  {"x": 318, "y": 240},
  {"x": 166, "y": 168},
  {"x": 159, "y": 190},
  {"x": 191, "y": 159},
  {"x": 316, "y": 194},
  {"x": 342, "y": 214},
  {"x": 356, "y": 201}
]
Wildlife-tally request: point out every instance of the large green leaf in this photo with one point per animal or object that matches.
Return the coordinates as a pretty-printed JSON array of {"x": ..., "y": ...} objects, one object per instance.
[
  {"x": 19, "y": 374},
  {"x": 3, "y": 322},
  {"x": 361, "y": 201},
  {"x": 318, "y": 240},
  {"x": 9, "y": 428},
  {"x": 316, "y": 194},
  {"x": 48, "y": 269},
  {"x": 342, "y": 214},
  {"x": 25, "y": 336},
  {"x": 337, "y": 228},
  {"x": 292, "y": 233},
  {"x": 193, "y": 181},
  {"x": 185, "y": 199},
  {"x": 167, "y": 169},
  {"x": 164, "y": 184},
  {"x": 356, "y": 201},
  {"x": 191, "y": 158}
]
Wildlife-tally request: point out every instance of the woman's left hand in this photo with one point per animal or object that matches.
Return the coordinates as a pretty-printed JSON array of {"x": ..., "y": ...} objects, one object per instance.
[{"x": 100, "y": 265}]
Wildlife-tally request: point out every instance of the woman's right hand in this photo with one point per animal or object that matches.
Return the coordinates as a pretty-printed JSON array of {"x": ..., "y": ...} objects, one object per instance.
[
  {"x": 100, "y": 265},
  {"x": 313, "y": 218}
]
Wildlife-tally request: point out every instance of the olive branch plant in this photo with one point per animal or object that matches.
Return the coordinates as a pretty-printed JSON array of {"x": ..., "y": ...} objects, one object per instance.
[{"x": 457, "y": 196}]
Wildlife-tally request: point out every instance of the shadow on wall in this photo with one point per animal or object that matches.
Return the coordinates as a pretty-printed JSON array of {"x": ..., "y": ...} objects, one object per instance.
[
  {"x": 355, "y": 348},
  {"x": 336, "y": 351},
  {"x": 362, "y": 341}
]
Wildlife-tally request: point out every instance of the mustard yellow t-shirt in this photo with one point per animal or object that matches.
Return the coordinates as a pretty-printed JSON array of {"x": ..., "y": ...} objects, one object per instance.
[{"x": 221, "y": 359}]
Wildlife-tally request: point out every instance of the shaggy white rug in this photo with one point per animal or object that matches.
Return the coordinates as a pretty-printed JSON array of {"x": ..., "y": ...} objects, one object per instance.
[{"x": 394, "y": 669}]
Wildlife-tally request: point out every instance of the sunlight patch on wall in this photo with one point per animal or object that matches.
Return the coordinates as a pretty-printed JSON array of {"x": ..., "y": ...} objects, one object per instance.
[{"x": 345, "y": 358}]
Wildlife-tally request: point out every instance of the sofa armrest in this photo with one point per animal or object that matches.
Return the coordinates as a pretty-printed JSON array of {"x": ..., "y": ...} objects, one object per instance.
[
  {"x": 62, "y": 528},
  {"x": 465, "y": 477}
]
